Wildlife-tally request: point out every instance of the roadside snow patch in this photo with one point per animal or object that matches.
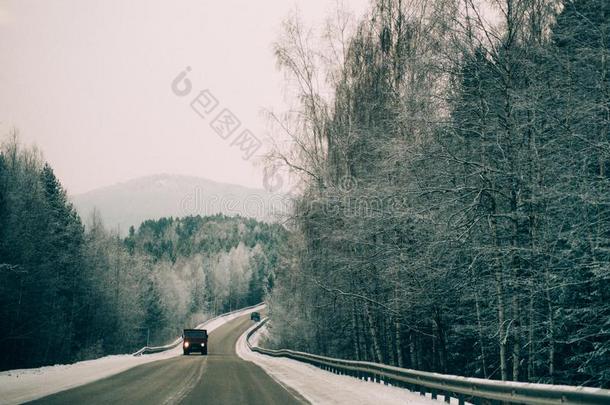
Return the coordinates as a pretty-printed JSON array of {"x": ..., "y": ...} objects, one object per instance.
[{"x": 322, "y": 387}]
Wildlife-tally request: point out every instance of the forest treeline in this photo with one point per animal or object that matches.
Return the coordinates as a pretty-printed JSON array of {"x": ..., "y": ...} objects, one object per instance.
[
  {"x": 454, "y": 159},
  {"x": 72, "y": 290}
]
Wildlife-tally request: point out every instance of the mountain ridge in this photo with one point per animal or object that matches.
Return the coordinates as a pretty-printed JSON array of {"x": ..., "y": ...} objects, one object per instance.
[{"x": 129, "y": 203}]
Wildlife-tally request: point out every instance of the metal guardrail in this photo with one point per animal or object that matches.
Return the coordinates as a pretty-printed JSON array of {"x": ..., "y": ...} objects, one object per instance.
[
  {"x": 465, "y": 389},
  {"x": 178, "y": 341}
]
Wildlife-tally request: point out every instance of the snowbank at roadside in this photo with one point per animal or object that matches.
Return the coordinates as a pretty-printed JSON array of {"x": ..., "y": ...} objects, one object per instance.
[
  {"x": 17, "y": 386},
  {"x": 322, "y": 387}
]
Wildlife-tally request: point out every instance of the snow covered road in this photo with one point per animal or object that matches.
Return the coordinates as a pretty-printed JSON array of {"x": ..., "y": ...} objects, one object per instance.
[{"x": 17, "y": 386}]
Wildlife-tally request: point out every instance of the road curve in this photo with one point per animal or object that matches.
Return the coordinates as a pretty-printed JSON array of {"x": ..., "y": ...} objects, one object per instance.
[{"x": 221, "y": 377}]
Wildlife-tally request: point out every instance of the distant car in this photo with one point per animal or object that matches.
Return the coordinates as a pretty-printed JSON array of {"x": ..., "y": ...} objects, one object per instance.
[
  {"x": 195, "y": 340},
  {"x": 255, "y": 316}
]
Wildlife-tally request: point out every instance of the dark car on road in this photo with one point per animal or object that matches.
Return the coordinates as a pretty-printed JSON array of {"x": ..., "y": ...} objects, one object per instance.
[
  {"x": 255, "y": 316},
  {"x": 195, "y": 340}
]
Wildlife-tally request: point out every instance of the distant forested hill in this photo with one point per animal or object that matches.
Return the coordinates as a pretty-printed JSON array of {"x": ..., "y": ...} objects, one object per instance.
[{"x": 235, "y": 256}]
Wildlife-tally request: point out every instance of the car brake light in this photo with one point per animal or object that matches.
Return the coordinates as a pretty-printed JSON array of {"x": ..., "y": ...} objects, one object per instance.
[{"x": 186, "y": 344}]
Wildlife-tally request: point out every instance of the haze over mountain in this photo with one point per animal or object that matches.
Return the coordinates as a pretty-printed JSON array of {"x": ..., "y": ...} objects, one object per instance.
[{"x": 129, "y": 203}]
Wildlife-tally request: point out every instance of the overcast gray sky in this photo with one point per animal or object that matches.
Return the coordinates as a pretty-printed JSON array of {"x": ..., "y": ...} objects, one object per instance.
[{"x": 89, "y": 82}]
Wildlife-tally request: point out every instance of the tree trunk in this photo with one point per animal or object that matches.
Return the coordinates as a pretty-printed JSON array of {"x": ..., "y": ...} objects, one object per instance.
[
  {"x": 501, "y": 337},
  {"x": 551, "y": 330},
  {"x": 356, "y": 333},
  {"x": 398, "y": 341},
  {"x": 480, "y": 330},
  {"x": 530, "y": 344},
  {"x": 419, "y": 352},
  {"x": 412, "y": 355},
  {"x": 516, "y": 328},
  {"x": 434, "y": 345},
  {"x": 378, "y": 355},
  {"x": 442, "y": 347}
]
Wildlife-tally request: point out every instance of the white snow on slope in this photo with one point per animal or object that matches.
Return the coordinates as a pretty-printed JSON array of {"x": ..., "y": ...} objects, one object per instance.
[
  {"x": 322, "y": 387},
  {"x": 17, "y": 386}
]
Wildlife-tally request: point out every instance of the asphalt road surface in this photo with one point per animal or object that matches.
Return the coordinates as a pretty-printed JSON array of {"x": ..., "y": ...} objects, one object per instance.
[{"x": 221, "y": 377}]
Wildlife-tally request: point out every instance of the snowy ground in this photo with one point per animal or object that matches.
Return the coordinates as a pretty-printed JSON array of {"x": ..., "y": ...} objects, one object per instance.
[
  {"x": 17, "y": 386},
  {"x": 322, "y": 387}
]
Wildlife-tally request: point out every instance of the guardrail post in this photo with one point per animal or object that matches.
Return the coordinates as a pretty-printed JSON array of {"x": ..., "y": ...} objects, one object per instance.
[
  {"x": 433, "y": 392},
  {"x": 461, "y": 399},
  {"x": 447, "y": 397}
]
